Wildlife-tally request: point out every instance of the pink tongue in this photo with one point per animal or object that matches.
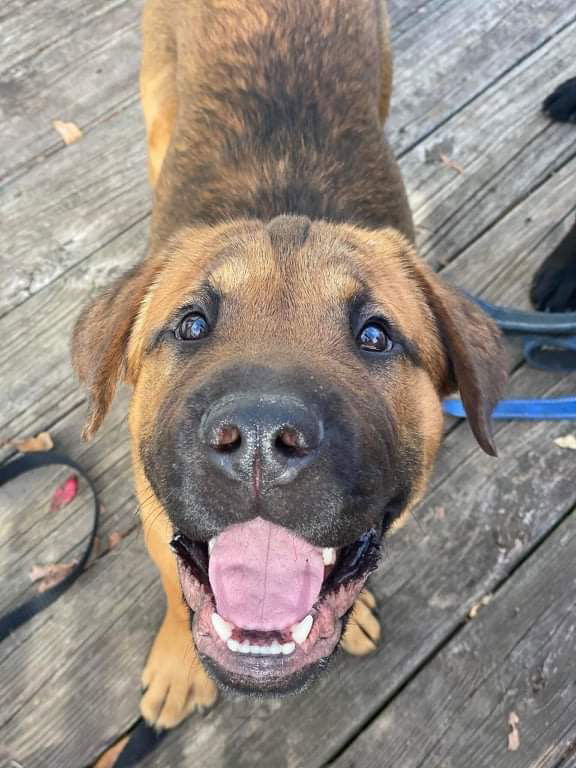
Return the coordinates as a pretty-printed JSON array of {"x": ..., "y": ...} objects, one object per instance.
[{"x": 263, "y": 576}]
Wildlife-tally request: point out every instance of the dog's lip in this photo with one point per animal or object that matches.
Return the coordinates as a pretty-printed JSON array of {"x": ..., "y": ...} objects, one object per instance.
[{"x": 286, "y": 671}]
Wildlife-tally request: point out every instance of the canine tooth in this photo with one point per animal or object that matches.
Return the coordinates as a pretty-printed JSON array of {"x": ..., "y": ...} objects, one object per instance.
[
  {"x": 329, "y": 555},
  {"x": 301, "y": 630},
  {"x": 233, "y": 645},
  {"x": 244, "y": 647},
  {"x": 211, "y": 544},
  {"x": 288, "y": 648},
  {"x": 223, "y": 628}
]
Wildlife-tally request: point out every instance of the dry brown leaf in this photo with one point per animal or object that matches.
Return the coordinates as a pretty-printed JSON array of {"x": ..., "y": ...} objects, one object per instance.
[
  {"x": 69, "y": 132},
  {"x": 473, "y": 612},
  {"x": 114, "y": 539},
  {"x": 452, "y": 164},
  {"x": 513, "y": 734},
  {"x": 42, "y": 442},
  {"x": 566, "y": 441},
  {"x": 108, "y": 758},
  {"x": 47, "y": 576}
]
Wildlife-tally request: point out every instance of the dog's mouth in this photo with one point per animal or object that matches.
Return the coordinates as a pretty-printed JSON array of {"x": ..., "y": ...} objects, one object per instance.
[{"x": 269, "y": 607}]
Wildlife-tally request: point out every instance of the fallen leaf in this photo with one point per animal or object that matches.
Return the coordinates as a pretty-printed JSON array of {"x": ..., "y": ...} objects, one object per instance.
[
  {"x": 439, "y": 513},
  {"x": 452, "y": 164},
  {"x": 65, "y": 493},
  {"x": 513, "y": 734},
  {"x": 473, "y": 612},
  {"x": 114, "y": 539},
  {"x": 47, "y": 576},
  {"x": 42, "y": 442},
  {"x": 566, "y": 441},
  {"x": 69, "y": 132},
  {"x": 108, "y": 758}
]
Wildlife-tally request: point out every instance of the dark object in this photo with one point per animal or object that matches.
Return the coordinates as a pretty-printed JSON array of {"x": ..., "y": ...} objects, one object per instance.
[
  {"x": 554, "y": 284},
  {"x": 143, "y": 738},
  {"x": 560, "y": 105}
]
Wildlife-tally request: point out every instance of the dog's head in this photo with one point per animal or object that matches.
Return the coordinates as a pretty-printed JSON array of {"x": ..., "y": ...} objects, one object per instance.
[{"x": 287, "y": 384}]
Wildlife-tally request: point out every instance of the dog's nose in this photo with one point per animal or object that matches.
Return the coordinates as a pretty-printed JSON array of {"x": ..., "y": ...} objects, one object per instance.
[{"x": 262, "y": 440}]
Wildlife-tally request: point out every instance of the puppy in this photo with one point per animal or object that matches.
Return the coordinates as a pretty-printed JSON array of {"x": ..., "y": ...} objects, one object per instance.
[
  {"x": 287, "y": 351},
  {"x": 554, "y": 284}
]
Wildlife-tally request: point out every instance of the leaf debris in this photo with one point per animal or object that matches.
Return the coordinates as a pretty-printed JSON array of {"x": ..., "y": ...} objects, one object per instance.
[
  {"x": 513, "y": 734},
  {"x": 69, "y": 132}
]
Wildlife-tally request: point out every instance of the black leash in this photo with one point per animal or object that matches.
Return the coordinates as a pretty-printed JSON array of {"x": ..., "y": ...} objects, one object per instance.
[{"x": 143, "y": 738}]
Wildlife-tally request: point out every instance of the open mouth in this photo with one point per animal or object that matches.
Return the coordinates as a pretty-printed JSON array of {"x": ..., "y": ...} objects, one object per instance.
[{"x": 269, "y": 607}]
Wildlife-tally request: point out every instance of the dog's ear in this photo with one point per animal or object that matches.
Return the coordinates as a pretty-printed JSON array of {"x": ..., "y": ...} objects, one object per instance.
[
  {"x": 475, "y": 353},
  {"x": 100, "y": 339}
]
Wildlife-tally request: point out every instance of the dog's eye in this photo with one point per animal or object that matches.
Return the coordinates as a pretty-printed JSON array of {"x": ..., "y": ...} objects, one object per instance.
[
  {"x": 192, "y": 327},
  {"x": 373, "y": 338}
]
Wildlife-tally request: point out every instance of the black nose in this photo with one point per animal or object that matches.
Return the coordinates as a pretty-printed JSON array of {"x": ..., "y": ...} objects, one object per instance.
[{"x": 263, "y": 440}]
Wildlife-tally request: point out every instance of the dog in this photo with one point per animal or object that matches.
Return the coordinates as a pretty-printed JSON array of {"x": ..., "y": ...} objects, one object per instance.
[
  {"x": 286, "y": 349},
  {"x": 553, "y": 286}
]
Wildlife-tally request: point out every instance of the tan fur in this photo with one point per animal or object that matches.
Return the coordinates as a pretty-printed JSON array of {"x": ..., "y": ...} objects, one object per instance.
[{"x": 210, "y": 225}]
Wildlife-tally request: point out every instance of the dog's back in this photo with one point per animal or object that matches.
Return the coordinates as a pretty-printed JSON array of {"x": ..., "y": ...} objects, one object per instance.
[{"x": 280, "y": 108}]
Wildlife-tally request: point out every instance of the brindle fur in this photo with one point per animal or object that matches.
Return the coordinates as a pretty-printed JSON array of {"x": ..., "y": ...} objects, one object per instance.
[{"x": 256, "y": 110}]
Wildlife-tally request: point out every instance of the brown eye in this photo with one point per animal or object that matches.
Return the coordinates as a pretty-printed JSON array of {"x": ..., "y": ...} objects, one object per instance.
[
  {"x": 373, "y": 338},
  {"x": 192, "y": 327}
]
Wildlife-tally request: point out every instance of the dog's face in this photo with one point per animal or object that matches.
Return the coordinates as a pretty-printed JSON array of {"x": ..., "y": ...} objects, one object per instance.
[{"x": 287, "y": 383}]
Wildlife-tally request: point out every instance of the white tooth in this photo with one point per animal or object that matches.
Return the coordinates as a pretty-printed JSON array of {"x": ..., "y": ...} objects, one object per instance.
[
  {"x": 275, "y": 647},
  {"x": 266, "y": 650},
  {"x": 288, "y": 648},
  {"x": 223, "y": 628},
  {"x": 301, "y": 631},
  {"x": 233, "y": 645},
  {"x": 255, "y": 649},
  {"x": 244, "y": 647},
  {"x": 329, "y": 555},
  {"x": 211, "y": 544}
]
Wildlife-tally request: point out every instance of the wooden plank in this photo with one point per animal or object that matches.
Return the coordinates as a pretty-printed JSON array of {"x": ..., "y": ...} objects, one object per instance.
[
  {"x": 79, "y": 198},
  {"x": 462, "y": 49},
  {"x": 516, "y": 657},
  {"x": 505, "y": 148},
  {"x": 84, "y": 77}
]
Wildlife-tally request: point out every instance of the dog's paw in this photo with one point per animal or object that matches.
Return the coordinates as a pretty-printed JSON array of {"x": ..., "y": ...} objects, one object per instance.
[
  {"x": 554, "y": 284},
  {"x": 362, "y": 633},
  {"x": 174, "y": 680},
  {"x": 561, "y": 104}
]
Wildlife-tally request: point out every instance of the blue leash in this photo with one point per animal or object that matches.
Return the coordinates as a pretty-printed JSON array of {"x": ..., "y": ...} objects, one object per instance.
[{"x": 549, "y": 343}]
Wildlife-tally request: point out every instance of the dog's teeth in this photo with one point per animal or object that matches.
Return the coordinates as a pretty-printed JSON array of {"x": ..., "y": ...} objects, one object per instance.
[
  {"x": 329, "y": 555},
  {"x": 233, "y": 645},
  {"x": 301, "y": 631},
  {"x": 211, "y": 544},
  {"x": 288, "y": 648},
  {"x": 275, "y": 647},
  {"x": 223, "y": 628},
  {"x": 244, "y": 647},
  {"x": 257, "y": 649}
]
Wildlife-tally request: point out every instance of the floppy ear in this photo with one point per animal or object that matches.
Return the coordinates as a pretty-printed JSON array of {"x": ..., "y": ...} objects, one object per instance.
[
  {"x": 475, "y": 352},
  {"x": 100, "y": 339}
]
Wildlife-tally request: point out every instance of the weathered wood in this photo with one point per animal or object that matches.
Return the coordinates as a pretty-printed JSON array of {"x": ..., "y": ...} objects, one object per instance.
[
  {"x": 74, "y": 219},
  {"x": 84, "y": 77},
  {"x": 515, "y": 657}
]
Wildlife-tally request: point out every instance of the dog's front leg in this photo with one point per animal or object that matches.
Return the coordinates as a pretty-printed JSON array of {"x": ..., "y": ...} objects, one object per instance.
[{"x": 174, "y": 679}]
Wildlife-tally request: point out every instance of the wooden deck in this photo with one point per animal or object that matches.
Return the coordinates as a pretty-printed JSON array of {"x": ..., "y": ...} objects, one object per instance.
[{"x": 439, "y": 693}]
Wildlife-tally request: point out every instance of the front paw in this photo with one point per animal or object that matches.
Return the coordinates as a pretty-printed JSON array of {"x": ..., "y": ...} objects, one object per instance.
[
  {"x": 560, "y": 105},
  {"x": 554, "y": 284},
  {"x": 174, "y": 680},
  {"x": 362, "y": 633}
]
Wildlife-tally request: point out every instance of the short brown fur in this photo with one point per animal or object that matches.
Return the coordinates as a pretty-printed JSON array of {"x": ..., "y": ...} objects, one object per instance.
[{"x": 238, "y": 135}]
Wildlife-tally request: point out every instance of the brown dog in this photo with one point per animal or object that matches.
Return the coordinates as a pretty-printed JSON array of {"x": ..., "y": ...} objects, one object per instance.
[{"x": 287, "y": 350}]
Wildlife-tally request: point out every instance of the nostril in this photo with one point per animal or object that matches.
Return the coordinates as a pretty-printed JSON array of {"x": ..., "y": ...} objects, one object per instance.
[
  {"x": 228, "y": 439},
  {"x": 290, "y": 443}
]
